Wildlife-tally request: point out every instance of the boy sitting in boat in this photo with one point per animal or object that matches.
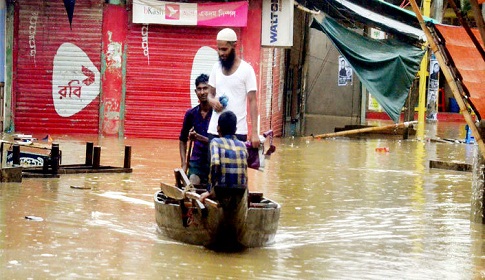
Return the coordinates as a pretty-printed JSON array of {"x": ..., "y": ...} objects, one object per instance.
[{"x": 229, "y": 157}]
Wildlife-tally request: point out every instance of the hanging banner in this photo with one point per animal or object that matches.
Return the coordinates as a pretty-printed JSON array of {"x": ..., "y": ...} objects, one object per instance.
[
  {"x": 277, "y": 23},
  {"x": 69, "y": 4},
  {"x": 433, "y": 87},
  {"x": 229, "y": 14}
]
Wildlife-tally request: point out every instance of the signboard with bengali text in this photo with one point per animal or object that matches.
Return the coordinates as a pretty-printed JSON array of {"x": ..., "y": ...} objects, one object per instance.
[{"x": 229, "y": 14}]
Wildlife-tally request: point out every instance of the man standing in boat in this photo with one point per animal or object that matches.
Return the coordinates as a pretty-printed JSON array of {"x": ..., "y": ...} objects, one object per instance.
[
  {"x": 196, "y": 122},
  {"x": 233, "y": 86},
  {"x": 229, "y": 157}
]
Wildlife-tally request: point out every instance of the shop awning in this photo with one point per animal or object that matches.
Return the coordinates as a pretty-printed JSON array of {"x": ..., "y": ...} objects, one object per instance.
[
  {"x": 379, "y": 19},
  {"x": 465, "y": 58},
  {"x": 390, "y": 18},
  {"x": 387, "y": 68}
]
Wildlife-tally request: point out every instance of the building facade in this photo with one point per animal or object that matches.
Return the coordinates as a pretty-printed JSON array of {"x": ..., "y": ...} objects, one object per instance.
[{"x": 101, "y": 73}]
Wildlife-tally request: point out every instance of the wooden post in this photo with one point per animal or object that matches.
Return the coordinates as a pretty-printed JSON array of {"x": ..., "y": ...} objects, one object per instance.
[
  {"x": 2, "y": 98},
  {"x": 55, "y": 158},
  {"x": 89, "y": 154},
  {"x": 16, "y": 154},
  {"x": 478, "y": 18},
  {"x": 127, "y": 162},
  {"x": 97, "y": 157},
  {"x": 449, "y": 78},
  {"x": 413, "y": 97},
  {"x": 478, "y": 188}
]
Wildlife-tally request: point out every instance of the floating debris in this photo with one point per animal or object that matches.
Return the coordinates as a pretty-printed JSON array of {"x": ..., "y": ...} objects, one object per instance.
[
  {"x": 81, "y": 187},
  {"x": 34, "y": 218},
  {"x": 382, "y": 149}
]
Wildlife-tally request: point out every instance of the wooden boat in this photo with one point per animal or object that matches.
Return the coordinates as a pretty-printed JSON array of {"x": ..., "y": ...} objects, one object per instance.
[{"x": 235, "y": 220}]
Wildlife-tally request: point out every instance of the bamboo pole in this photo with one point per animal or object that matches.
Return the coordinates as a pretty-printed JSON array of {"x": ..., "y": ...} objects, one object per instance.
[
  {"x": 478, "y": 18},
  {"x": 449, "y": 78},
  {"x": 364, "y": 130},
  {"x": 465, "y": 25}
]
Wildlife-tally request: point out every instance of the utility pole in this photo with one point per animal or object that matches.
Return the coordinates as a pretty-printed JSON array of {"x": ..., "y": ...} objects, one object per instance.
[
  {"x": 438, "y": 10},
  {"x": 423, "y": 72}
]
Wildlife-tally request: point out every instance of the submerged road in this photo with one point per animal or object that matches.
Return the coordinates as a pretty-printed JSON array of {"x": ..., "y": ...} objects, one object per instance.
[{"x": 349, "y": 211}]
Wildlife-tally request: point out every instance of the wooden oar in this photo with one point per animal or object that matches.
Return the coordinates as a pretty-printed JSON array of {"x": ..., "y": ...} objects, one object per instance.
[
  {"x": 179, "y": 194},
  {"x": 172, "y": 191},
  {"x": 196, "y": 196},
  {"x": 187, "y": 157}
]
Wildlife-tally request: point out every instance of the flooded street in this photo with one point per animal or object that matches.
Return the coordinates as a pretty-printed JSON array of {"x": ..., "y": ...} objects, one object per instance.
[{"x": 348, "y": 212}]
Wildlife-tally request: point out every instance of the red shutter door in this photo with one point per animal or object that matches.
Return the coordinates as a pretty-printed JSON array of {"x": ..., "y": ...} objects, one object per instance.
[
  {"x": 163, "y": 62},
  {"x": 58, "y": 68}
]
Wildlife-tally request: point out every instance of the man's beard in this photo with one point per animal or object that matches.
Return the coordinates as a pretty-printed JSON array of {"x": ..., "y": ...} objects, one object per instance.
[{"x": 229, "y": 61}]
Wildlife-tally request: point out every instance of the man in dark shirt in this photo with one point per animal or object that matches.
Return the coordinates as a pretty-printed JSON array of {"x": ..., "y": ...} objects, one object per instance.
[
  {"x": 196, "y": 122},
  {"x": 343, "y": 70},
  {"x": 436, "y": 71}
]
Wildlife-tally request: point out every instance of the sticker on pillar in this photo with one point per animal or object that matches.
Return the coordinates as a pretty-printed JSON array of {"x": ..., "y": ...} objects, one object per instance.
[
  {"x": 113, "y": 53},
  {"x": 75, "y": 80},
  {"x": 204, "y": 59}
]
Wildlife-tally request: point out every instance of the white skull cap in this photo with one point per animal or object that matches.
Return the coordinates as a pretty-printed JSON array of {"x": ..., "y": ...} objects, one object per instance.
[{"x": 227, "y": 34}]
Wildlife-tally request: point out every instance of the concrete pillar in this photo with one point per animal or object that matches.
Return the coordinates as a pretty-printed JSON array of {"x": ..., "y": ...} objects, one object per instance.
[
  {"x": 438, "y": 10},
  {"x": 478, "y": 175},
  {"x": 113, "y": 69}
]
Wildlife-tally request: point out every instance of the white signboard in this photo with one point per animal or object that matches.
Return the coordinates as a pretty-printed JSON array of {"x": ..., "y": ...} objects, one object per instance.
[
  {"x": 277, "y": 25},
  {"x": 149, "y": 11},
  {"x": 234, "y": 14}
]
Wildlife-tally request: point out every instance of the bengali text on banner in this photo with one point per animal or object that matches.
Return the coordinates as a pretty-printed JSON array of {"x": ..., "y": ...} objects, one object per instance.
[{"x": 231, "y": 14}]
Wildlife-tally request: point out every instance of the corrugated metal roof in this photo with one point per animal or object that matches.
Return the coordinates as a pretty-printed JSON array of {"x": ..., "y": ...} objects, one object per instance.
[{"x": 464, "y": 55}]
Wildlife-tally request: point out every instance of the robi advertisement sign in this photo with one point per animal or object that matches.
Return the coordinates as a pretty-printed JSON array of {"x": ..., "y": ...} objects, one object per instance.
[{"x": 277, "y": 25}]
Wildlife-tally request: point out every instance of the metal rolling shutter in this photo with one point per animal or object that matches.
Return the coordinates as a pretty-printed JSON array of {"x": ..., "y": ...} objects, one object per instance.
[
  {"x": 163, "y": 62},
  {"x": 51, "y": 56}
]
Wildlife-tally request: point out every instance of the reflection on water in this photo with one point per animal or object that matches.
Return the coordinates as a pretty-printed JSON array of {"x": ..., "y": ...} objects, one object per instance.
[{"x": 348, "y": 212}]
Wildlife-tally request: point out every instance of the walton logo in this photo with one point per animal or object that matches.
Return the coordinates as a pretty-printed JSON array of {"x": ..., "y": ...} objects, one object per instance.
[
  {"x": 273, "y": 30},
  {"x": 172, "y": 11}
]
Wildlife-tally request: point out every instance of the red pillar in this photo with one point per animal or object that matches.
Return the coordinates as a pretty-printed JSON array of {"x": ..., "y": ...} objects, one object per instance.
[
  {"x": 251, "y": 44},
  {"x": 115, "y": 20}
]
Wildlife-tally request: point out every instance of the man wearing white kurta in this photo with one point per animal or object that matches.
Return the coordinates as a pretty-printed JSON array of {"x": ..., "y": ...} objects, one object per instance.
[{"x": 234, "y": 79}]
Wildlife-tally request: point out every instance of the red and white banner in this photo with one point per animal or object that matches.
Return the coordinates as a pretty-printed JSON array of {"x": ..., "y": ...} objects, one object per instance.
[{"x": 234, "y": 14}]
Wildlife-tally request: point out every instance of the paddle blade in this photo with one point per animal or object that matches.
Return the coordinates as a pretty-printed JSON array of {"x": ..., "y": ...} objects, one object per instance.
[{"x": 172, "y": 191}]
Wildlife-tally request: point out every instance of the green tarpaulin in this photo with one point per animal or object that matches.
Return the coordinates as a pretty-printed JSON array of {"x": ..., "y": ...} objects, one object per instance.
[{"x": 386, "y": 67}]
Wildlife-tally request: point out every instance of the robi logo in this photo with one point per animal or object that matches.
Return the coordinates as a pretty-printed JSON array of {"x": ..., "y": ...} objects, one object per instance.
[
  {"x": 75, "y": 82},
  {"x": 172, "y": 11}
]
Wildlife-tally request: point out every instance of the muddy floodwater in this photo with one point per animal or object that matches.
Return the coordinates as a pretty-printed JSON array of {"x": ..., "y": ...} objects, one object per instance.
[{"x": 348, "y": 212}]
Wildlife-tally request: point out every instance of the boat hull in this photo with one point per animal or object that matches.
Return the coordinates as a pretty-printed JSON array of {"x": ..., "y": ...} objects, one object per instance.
[{"x": 218, "y": 228}]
